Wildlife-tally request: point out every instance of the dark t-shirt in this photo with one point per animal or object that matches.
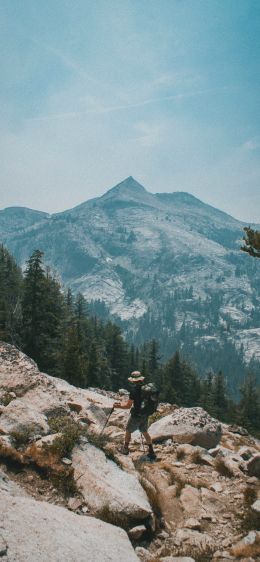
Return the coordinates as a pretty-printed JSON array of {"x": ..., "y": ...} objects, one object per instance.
[{"x": 136, "y": 395}]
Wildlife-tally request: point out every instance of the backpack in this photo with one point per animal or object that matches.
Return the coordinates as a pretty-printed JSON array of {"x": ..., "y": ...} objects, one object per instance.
[{"x": 150, "y": 399}]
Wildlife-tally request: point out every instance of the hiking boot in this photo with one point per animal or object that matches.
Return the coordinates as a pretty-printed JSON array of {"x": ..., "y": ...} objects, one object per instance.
[
  {"x": 124, "y": 450},
  {"x": 151, "y": 456}
]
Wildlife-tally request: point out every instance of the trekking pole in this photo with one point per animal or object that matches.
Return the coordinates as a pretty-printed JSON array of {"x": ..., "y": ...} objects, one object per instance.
[
  {"x": 142, "y": 439},
  {"x": 107, "y": 420}
]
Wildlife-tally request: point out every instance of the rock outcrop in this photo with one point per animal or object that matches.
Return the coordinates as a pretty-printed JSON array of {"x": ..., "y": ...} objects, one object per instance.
[
  {"x": 107, "y": 488},
  {"x": 67, "y": 492},
  {"x": 32, "y": 530},
  {"x": 188, "y": 425}
]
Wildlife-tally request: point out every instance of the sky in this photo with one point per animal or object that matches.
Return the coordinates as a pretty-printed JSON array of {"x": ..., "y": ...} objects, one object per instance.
[{"x": 166, "y": 91}]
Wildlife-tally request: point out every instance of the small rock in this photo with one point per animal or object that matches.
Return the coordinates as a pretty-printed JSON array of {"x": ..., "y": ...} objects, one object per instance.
[
  {"x": 253, "y": 466},
  {"x": 256, "y": 506},
  {"x": 74, "y": 503},
  {"x": 227, "y": 542},
  {"x": 66, "y": 461},
  {"x": 163, "y": 535},
  {"x": 144, "y": 554},
  {"x": 3, "y": 547},
  {"x": 245, "y": 453},
  {"x": 12, "y": 394},
  {"x": 223, "y": 555},
  {"x": 136, "y": 532},
  {"x": 216, "y": 487},
  {"x": 207, "y": 517},
  {"x": 29, "y": 478},
  {"x": 192, "y": 523},
  {"x": 85, "y": 509},
  {"x": 75, "y": 407},
  {"x": 252, "y": 480},
  {"x": 177, "y": 559}
]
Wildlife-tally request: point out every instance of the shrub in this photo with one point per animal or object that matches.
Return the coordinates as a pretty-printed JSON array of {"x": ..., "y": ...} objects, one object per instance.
[
  {"x": 22, "y": 437},
  {"x": 6, "y": 399},
  {"x": 64, "y": 443},
  {"x": 64, "y": 482}
]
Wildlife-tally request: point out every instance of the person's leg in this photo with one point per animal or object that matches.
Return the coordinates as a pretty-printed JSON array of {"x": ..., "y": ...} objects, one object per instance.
[
  {"x": 127, "y": 438},
  {"x": 130, "y": 427},
  {"x": 148, "y": 439}
]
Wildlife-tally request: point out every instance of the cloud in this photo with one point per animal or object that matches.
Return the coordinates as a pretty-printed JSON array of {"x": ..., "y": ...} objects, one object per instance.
[
  {"x": 250, "y": 145},
  {"x": 98, "y": 108}
]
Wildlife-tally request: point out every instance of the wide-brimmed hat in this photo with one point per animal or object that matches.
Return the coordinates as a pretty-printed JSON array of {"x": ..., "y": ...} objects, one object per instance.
[{"x": 136, "y": 376}]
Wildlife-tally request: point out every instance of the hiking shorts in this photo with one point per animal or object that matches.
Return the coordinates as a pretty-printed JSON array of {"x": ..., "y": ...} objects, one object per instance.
[{"x": 137, "y": 421}]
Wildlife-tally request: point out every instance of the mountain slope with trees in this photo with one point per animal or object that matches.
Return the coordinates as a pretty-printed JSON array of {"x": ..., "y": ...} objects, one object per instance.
[
  {"x": 161, "y": 266},
  {"x": 66, "y": 341}
]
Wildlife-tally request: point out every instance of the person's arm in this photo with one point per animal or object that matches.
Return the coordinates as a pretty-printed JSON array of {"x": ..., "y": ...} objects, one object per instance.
[{"x": 124, "y": 405}]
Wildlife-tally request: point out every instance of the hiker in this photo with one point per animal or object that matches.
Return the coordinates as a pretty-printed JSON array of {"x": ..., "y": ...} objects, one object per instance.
[{"x": 139, "y": 413}]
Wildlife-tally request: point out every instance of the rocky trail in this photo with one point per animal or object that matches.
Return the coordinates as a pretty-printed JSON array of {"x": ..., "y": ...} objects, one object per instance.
[{"x": 68, "y": 494}]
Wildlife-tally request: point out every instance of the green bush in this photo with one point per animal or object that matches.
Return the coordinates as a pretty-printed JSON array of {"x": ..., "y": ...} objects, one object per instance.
[{"x": 22, "y": 437}]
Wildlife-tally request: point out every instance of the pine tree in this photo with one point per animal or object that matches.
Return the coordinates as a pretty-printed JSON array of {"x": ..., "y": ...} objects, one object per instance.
[
  {"x": 173, "y": 380},
  {"x": 34, "y": 307},
  {"x": 42, "y": 310},
  {"x": 249, "y": 407},
  {"x": 116, "y": 349},
  {"x": 93, "y": 370},
  {"x": 206, "y": 400},
  {"x": 10, "y": 297},
  {"x": 252, "y": 242},
  {"x": 220, "y": 404}
]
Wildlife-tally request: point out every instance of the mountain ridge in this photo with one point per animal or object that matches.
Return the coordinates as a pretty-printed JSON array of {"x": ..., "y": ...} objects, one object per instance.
[
  {"x": 173, "y": 272},
  {"x": 128, "y": 186}
]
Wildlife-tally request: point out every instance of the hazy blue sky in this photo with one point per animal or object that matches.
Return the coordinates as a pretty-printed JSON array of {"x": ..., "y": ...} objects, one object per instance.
[{"x": 93, "y": 91}]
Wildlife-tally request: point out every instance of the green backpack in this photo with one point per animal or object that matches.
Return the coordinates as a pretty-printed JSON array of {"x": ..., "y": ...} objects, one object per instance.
[{"x": 150, "y": 399}]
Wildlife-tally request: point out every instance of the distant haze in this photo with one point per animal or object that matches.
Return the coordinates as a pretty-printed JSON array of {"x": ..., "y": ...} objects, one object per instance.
[{"x": 93, "y": 92}]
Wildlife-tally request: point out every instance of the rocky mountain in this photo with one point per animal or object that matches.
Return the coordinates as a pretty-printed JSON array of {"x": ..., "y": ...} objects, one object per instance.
[
  {"x": 67, "y": 493},
  {"x": 165, "y": 266}
]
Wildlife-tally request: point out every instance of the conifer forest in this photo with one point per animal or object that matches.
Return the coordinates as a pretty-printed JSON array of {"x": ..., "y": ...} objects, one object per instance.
[{"x": 60, "y": 331}]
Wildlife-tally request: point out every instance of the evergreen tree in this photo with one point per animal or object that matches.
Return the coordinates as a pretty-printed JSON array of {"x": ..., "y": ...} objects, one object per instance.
[
  {"x": 173, "y": 380},
  {"x": 10, "y": 297},
  {"x": 220, "y": 404},
  {"x": 34, "y": 307},
  {"x": 42, "y": 309},
  {"x": 116, "y": 349},
  {"x": 252, "y": 242},
  {"x": 207, "y": 400},
  {"x": 249, "y": 407}
]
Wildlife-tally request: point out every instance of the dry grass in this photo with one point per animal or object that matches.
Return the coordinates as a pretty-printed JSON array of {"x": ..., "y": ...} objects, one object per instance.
[
  {"x": 196, "y": 457},
  {"x": 64, "y": 482},
  {"x": 246, "y": 550},
  {"x": 8, "y": 452},
  {"x": 151, "y": 492},
  {"x": 250, "y": 495},
  {"x": 180, "y": 454},
  {"x": 222, "y": 469},
  {"x": 250, "y": 520}
]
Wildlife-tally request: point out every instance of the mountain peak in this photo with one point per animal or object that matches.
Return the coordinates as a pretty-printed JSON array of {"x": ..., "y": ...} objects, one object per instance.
[{"x": 128, "y": 186}]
